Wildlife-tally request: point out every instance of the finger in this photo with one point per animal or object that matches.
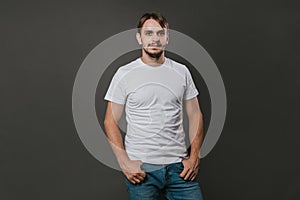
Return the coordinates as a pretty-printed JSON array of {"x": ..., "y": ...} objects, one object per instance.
[
  {"x": 193, "y": 177},
  {"x": 136, "y": 180},
  {"x": 132, "y": 181},
  {"x": 141, "y": 178},
  {"x": 187, "y": 176},
  {"x": 142, "y": 173},
  {"x": 184, "y": 172}
]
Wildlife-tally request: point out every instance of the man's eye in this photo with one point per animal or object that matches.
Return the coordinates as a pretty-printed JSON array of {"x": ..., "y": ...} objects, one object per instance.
[
  {"x": 147, "y": 33},
  {"x": 161, "y": 33}
]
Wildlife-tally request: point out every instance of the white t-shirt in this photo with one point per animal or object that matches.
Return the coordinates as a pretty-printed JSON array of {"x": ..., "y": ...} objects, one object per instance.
[{"x": 153, "y": 98}]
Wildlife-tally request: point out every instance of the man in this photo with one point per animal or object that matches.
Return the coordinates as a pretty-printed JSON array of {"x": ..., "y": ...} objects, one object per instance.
[{"x": 153, "y": 90}]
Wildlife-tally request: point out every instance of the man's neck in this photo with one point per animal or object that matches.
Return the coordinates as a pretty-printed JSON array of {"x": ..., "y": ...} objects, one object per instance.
[{"x": 153, "y": 61}]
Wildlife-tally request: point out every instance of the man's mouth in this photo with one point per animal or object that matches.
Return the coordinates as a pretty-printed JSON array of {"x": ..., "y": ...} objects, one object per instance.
[{"x": 155, "y": 45}]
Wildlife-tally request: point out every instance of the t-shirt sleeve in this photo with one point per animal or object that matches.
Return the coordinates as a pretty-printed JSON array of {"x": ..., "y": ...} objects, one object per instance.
[
  {"x": 116, "y": 91},
  {"x": 190, "y": 89}
]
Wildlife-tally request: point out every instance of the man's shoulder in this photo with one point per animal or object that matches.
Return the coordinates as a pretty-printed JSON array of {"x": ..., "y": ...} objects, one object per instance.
[
  {"x": 175, "y": 62},
  {"x": 179, "y": 67},
  {"x": 124, "y": 69}
]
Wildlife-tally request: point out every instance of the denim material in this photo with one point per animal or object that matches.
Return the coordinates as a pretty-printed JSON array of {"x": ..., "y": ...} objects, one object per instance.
[{"x": 164, "y": 179}]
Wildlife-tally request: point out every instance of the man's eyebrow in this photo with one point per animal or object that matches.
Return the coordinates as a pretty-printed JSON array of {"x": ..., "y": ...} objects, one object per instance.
[
  {"x": 151, "y": 31},
  {"x": 161, "y": 31}
]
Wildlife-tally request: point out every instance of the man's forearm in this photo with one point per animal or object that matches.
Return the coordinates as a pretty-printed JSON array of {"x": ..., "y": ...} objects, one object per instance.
[
  {"x": 195, "y": 134},
  {"x": 116, "y": 142}
]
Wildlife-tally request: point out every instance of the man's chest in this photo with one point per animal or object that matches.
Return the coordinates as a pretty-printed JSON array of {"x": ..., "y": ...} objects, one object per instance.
[{"x": 155, "y": 87}]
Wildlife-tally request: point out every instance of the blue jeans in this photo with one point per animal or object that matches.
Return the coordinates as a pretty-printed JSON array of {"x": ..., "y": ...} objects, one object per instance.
[{"x": 164, "y": 179}]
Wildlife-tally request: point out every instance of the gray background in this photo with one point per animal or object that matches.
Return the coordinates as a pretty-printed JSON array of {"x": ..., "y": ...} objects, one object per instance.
[{"x": 254, "y": 44}]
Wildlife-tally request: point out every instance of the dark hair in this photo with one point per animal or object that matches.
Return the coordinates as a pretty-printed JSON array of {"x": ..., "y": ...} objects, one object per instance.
[{"x": 156, "y": 16}]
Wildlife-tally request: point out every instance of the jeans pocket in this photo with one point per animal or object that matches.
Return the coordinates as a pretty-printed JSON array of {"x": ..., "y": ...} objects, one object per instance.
[
  {"x": 178, "y": 167},
  {"x": 181, "y": 164},
  {"x": 127, "y": 182}
]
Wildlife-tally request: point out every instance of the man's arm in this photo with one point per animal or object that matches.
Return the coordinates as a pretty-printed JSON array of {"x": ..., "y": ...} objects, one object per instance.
[
  {"x": 191, "y": 165},
  {"x": 130, "y": 168}
]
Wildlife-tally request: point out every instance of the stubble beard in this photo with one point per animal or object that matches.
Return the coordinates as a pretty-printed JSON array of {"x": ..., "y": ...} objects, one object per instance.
[{"x": 153, "y": 55}]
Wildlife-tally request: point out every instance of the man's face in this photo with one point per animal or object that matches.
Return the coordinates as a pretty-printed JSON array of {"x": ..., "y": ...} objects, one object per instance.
[{"x": 153, "y": 37}]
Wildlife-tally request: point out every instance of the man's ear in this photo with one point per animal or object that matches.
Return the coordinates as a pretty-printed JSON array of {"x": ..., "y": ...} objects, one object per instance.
[{"x": 138, "y": 38}]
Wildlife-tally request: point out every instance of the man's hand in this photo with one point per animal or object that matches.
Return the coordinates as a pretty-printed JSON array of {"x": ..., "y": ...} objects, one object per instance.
[
  {"x": 130, "y": 168},
  {"x": 132, "y": 171},
  {"x": 190, "y": 170}
]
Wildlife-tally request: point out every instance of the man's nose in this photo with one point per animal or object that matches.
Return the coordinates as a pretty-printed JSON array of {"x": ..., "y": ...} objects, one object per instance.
[{"x": 155, "y": 37}]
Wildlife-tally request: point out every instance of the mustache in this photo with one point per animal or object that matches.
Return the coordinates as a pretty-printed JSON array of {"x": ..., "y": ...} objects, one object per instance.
[{"x": 155, "y": 45}]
